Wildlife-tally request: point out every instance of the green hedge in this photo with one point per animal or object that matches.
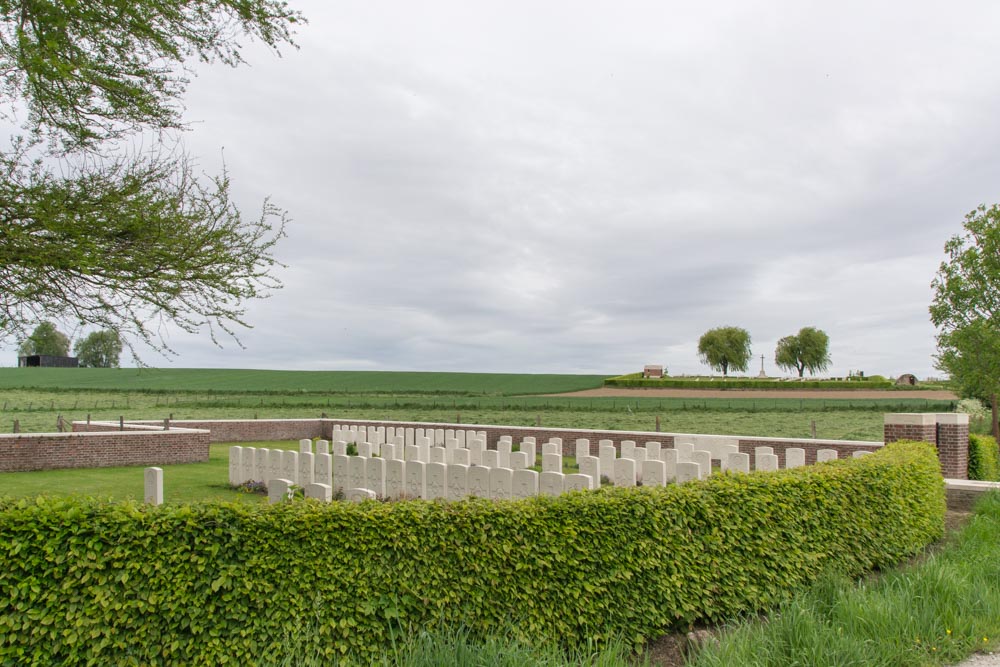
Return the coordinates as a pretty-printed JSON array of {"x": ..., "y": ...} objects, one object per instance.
[
  {"x": 87, "y": 582},
  {"x": 636, "y": 380},
  {"x": 984, "y": 459}
]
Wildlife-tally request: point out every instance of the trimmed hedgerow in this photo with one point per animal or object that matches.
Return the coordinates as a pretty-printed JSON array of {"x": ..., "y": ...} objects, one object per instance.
[
  {"x": 636, "y": 380},
  {"x": 984, "y": 459},
  {"x": 87, "y": 582}
]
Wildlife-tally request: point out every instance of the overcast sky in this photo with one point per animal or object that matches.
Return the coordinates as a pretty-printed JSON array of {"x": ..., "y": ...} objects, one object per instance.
[{"x": 577, "y": 187}]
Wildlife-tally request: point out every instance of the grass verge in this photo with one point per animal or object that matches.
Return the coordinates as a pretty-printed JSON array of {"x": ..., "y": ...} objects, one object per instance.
[{"x": 936, "y": 612}]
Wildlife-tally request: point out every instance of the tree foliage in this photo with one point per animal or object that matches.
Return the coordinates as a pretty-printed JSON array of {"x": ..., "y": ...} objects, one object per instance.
[
  {"x": 966, "y": 307},
  {"x": 725, "y": 349},
  {"x": 808, "y": 350},
  {"x": 92, "y": 229},
  {"x": 100, "y": 349},
  {"x": 47, "y": 340}
]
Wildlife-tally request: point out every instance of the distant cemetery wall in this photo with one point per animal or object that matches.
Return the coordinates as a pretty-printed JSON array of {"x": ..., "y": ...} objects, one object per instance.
[{"x": 101, "y": 445}]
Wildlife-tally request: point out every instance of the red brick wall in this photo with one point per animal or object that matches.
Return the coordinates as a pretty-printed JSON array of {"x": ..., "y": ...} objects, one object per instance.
[
  {"x": 101, "y": 449},
  {"x": 953, "y": 447}
]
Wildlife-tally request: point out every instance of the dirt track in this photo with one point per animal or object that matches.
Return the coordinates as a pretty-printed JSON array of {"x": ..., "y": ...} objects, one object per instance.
[{"x": 826, "y": 394}]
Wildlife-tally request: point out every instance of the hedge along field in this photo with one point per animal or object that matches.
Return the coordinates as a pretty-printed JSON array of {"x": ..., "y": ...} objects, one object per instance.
[
  {"x": 96, "y": 583},
  {"x": 236, "y": 380}
]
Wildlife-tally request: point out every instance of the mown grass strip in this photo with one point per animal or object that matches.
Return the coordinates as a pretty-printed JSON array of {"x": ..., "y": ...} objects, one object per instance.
[{"x": 936, "y": 612}]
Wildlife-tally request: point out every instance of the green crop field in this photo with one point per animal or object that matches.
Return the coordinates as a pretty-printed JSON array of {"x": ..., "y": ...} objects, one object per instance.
[{"x": 328, "y": 382}]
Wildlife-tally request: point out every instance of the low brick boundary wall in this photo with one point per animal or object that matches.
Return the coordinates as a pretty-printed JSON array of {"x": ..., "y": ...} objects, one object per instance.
[
  {"x": 252, "y": 430},
  {"x": 102, "y": 445}
]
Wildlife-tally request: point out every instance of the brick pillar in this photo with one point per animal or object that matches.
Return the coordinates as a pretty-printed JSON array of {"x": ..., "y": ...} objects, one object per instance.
[
  {"x": 953, "y": 444},
  {"x": 921, "y": 427}
]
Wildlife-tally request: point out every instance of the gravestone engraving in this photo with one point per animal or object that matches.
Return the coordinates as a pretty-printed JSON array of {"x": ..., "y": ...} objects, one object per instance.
[
  {"x": 153, "y": 486},
  {"x": 550, "y": 483},
  {"x": 500, "y": 483},
  {"x": 591, "y": 467},
  {"x": 654, "y": 473},
  {"x": 375, "y": 476},
  {"x": 738, "y": 462},
  {"x": 306, "y": 468},
  {"x": 552, "y": 463},
  {"x": 416, "y": 479},
  {"x": 457, "y": 482},
  {"x": 279, "y": 490},
  {"x": 687, "y": 471},
  {"x": 479, "y": 482},
  {"x": 437, "y": 479},
  {"x": 795, "y": 457},
  {"x": 525, "y": 483},
  {"x": 395, "y": 479},
  {"x": 624, "y": 472}
]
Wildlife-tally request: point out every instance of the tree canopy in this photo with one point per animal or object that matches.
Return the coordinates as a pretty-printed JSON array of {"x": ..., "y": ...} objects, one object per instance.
[
  {"x": 47, "y": 340},
  {"x": 93, "y": 229},
  {"x": 808, "y": 350},
  {"x": 725, "y": 349},
  {"x": 966, "y": 307},
  {"x": 100, "y": 349}
]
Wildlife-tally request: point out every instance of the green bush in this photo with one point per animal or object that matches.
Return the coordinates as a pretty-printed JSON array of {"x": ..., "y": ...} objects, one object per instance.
[
  {"x": 636, "y": 380},
  {"x": 984, "y": 459},
  {"x": 88, "y": 582}
]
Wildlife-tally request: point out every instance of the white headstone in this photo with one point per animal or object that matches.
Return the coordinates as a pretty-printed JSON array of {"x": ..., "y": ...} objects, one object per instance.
[
  {"x": 275, "y": 464},
  {"x": 582, "y": 447},
  {"x": 519, "y": 460},
  {"x": 375, "y": 476},
  {"x": 306, "y": 468},
  {"x": 364, "y": 449},
  {"x": 279, "y": 490},
  {"x": 436, "y": 474},
  {"x": 341, "y": 468},
  {"x": 551, "y": 448},
  {"x": 479, "y": 481},
  {"x": 684, "y": 450},
  {"x": 235, "y": 465},
  {"x": 826, "y": 455},
  {"x": 704, "y": 459},
  {"x": 379, "y": 435},
  {"x": 460, "y": 456},
  {"x": 557, "y": 441},
  {"x": 576, "y": 482},
  {"x": 501, "y": 480},
  {"x": 605, "y": 443},
  {"x": 416, "y": 479},
  {"x": 738, "y": 462},
  {"x": 439, "y": 455},
  {"x": 249, "y": 463},
  {"x": 153, "y": 483},
  {"x": 608, "y": 457},
  {"x": 324, "y": 469},
  {"x": 624, "y": 472},
  {"x": 388, "y": 451},
  {"x": 357, "y": 474},
  {"x": 859, "y": 454},
  {"x": 550, "y": 483},
  {"x": 359, "y": 495},
  {"x": 290, "y": 466},
  {"x": 724, "y": 451},
  {"x": 395, "y": 479},
  {"x": 491, "y": 458},
  {"x": 320, "y": 492},
  {"x": 412, "y": 453},
  {"x": 653, "y": 451},
  {"x": 262, "y": 463},
  {"x": 767, "y": 462},
  {"x": 525, "y": 483},
  {"x": 438, "y": 437},
  {"x": 763, "y": 450},
  {"x": 305, "y": 445},
  {"x": 552, "y": 463},
  {"x": 530, "y": 439},
  {"x": 628, "y": 449},
  {"x": 687, "y": 471},
  {"x": 669, "y": 458},
  {"x": 795, "y": 457},
  {"x": 654, "y": 473},
  {"x": 476, "y": 447},
  {"x": 639, "y": 454},
  {"x": 340, "y": 448},
  {"x": 457, "y": 481},
  {"x": 591, "y": 466},
  {"x": 531, "y": 450}
]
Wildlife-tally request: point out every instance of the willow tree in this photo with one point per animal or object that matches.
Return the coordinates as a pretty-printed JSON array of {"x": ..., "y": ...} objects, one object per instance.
[
  {"x": 725, "y": 349},
  {"x": 966, "y": 308},
  {"x": 808, "y": 350},
  {"x": 93, "y": 229}
]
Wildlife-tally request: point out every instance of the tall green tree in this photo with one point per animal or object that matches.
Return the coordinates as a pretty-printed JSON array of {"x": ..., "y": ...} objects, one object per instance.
[
  {"x": 47, "y": 340},
  {"x": 100, "y": 349},
  {"x": 808, "y": 350},
  {"x": 92, "y": 229},
  {"x": 725, "y": 349},
  {"x": 966, "y": 308}
]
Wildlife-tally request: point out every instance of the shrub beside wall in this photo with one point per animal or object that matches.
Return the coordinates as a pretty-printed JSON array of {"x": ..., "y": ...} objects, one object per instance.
[
  {"x": 984, "y": 459},
  {"x": 94, "y": 583}
]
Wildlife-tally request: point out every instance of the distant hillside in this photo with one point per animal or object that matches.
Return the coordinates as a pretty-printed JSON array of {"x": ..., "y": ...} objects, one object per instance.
[{"x": 234, "y": 380}]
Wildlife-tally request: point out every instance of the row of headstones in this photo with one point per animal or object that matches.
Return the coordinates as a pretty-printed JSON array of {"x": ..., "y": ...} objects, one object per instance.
[
  {"x": 394, "y": 478},
  {"x": 380, "y": 435}
]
